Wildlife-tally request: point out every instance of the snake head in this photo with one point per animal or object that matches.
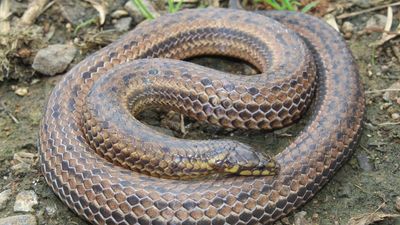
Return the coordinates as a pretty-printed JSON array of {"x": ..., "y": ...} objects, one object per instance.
[{"x": 242, "y": 161}]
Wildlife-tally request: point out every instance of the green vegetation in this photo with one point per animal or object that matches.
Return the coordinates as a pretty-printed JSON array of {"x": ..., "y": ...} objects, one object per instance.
[
  {"x": 85, "y": 24},
  {"x": 143, "y": 9},
  {"x": 172, "y": 7},
  {"x": 290, "y": 5}
]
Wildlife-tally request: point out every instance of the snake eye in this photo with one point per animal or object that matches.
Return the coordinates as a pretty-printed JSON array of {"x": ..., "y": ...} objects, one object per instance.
[{"x": 219, "y": 162}]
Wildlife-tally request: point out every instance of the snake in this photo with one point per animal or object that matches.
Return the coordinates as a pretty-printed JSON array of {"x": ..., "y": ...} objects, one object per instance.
[{"x": 110, "y": 168}]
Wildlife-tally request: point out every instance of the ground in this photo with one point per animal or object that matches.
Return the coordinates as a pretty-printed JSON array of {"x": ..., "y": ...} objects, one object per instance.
[{"x": 367, "y": 187}]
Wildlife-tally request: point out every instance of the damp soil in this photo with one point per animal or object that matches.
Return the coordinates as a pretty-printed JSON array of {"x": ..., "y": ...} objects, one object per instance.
[{"x": 369, "y": 182}]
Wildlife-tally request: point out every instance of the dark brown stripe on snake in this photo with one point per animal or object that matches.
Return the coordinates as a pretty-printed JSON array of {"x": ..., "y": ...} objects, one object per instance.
[{"x": 104, "y": 193}]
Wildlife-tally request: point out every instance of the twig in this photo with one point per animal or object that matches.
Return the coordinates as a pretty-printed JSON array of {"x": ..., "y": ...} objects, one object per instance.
[
  {"x": 48, "y": 6},
  {"x": 388, "y": 123},
  {"x": 346, "y": 15},
  {"x": 35, "y": 8},
  {"x": 366, "y": 149},
  {"x": 4, "y": 14},
  {"x": 362, "y": 189},
  {"x": 14, "y": 119},
  {"x": 183, "y": 130},
  {"x": 378, "y": 30},
  {"x": 382, "y": 90},
  {"x": 388, "y": 26}
]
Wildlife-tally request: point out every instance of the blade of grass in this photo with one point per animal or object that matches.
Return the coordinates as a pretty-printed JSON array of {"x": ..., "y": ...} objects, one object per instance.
[
  {"x": 274, "y": 4},
  {"x": 309, "y": 6},
  {"x": 288, "y": 5},
  {"x": 85, "y": 24},
  {"x": 172, "y": 7},
  {"x": 143, "y": 9},
  {"x": 179, "y": 5}
]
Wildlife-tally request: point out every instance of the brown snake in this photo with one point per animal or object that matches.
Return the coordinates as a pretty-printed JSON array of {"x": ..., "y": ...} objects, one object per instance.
[{"x": 87, "y": 118}]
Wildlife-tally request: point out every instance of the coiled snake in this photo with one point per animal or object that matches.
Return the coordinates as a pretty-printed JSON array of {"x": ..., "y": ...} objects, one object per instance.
[{"x": 89, "y": 136}]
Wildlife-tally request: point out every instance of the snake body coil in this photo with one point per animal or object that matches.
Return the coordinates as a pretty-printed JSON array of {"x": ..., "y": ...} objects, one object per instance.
[{"x": 89, "y": 139}]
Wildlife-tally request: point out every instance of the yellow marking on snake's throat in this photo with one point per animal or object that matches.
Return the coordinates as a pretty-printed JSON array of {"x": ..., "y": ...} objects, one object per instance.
[
  {"x": 245, "y": 173},
  {"x": 234, "y": 169},
  {"x": 256, "y": 172},
  {"x": 265, "y": 173}
]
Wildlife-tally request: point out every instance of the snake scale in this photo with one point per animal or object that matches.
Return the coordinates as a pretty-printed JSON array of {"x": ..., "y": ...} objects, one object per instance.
[{"x": 90, "y": 140}]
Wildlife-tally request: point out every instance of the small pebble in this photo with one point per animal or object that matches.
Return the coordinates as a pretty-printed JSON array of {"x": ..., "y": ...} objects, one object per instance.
[
  {"x": 395, "y": 116},
  {"x": 19, "y": 220},
  {"x": 299, "y": 218},
  {"x": 21, "y": 91},
  {"x": 4, "y": 197},
  {"x": 398, "y": 203},
  {"x": 348, "y": 35},
  {"x": 54, "y": 59},
  {"x": 315, "y": 218},
  {"x": 392, "y": 95},
  {"x": 347, "y": 27},
  {"x": 25, "y": 200},
  {"x": 51, "y": 210}
]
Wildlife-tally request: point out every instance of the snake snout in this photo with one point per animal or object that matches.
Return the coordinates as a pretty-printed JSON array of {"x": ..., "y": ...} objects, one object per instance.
[{"x": 243, "y": 161}]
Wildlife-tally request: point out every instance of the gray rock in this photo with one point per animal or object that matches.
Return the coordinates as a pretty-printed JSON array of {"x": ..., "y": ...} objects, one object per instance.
[
  {"x": 376, "y": 21},
  {"x": 76, "y": 11},
  {"x": 4, "y": 197},
  {"x": 54, "y": 59},
  {"x": 19, "y": 220},
  {"x": 25, "y": 200},
  {"x": 123, "y": 24}
]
